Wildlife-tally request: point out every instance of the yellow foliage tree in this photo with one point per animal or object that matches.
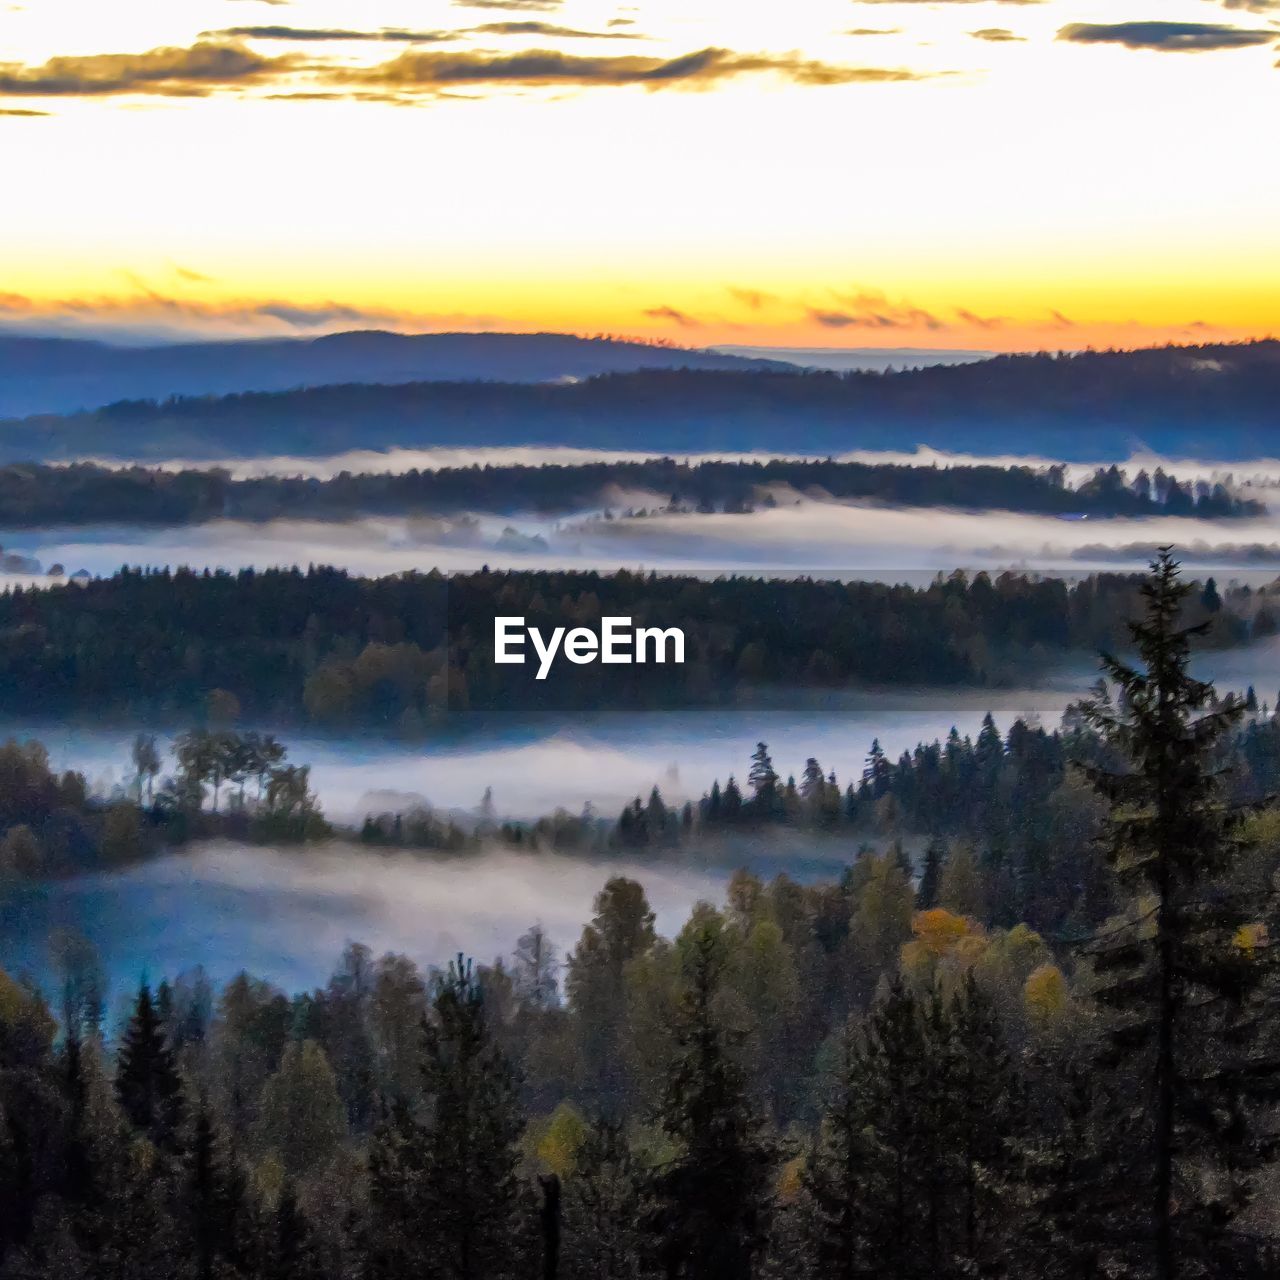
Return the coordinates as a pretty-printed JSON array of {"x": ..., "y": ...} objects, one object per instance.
[
  {"x": 561, "y": 1140},
  {"x": 1045, "y": 995}
]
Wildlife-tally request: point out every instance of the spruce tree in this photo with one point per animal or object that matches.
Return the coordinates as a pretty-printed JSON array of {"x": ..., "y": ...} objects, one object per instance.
[
  {"x": 763, "y": 780},
  {"x": 1179, "y": 988},
  {"x": 894, "y": 1070},
  {"x": 212, "y": 1199},
  {"x": 713, "y": 1198},
  {"x": 838, "y": 1167},
  {"x": 602, "y": 1205},
  {"x": 984, "y": 1118},
  {"x": 470, "y": 1202},
  {"x": 394, "y": 1244},
  {"x": 930, "y": 876},
  {"x": 148, "y": 1087}
]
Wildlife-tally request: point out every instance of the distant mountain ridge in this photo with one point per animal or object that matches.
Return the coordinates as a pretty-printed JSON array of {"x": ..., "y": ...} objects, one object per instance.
[
  {"x": 67, "y": 375},
  {"x": 1217, "y": 402}
]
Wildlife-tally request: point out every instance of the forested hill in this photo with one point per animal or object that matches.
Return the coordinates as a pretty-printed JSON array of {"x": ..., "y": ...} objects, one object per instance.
[
  {"x": 62, "y": 375},
  {"x": 32, "y": 496},
  {"x": 1215, "y": 402},
  {"x": 402, "y": 652}
]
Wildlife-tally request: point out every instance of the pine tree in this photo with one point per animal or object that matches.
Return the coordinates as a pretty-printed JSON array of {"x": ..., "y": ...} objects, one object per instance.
[
  {"x": 984, "y": 1118},
  {"x": 470, "y": 1194},
  {"x": 893, "y": 1068},
  {"x": 394, "y": 1244},
  {"x": 763, "y": 780},
  {"x": 81, "y": 1175},
  {"x": 838, "y": 1168},
  {"x": 813, "y": 787},
  {"x": 602, "y": 1209},
  {"x": 713, "y": 1198},
  {"x": 875, "y": 775},
  {"x": 148, "y": 1087},
  {"x": 212, "y": 1198},
  {"x": 1178, "y": 985},
  {"x": 1061, "y": 1166},
  {"x": 930, "y": 876}
]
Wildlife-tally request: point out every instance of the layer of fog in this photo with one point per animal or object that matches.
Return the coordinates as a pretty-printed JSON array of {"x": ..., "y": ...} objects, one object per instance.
[
  {"x": 536, "y": 764},
  {"x": 1260, "y": 472},
  {"x": 801, "y": 535},
  {"x": 287, "y": 914}
]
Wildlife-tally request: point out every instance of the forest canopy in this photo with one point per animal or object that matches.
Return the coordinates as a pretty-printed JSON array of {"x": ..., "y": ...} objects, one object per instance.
[
  {"x": 32, "y": 495},
  {"x": 873, "y": 1075},
  {"x": 400, "y": 652}
]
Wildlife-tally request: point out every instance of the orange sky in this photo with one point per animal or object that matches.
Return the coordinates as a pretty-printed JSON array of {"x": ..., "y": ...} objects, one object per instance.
[{"x": 861, "y": 173}]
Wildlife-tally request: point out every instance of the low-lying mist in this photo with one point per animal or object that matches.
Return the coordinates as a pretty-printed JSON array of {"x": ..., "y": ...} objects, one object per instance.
[
  {"x": 534, "y": 764},
  {"x": 1257, "y": 472},
  {"x": 286, "y": 914},
  {"x": 800, "y": 535}
]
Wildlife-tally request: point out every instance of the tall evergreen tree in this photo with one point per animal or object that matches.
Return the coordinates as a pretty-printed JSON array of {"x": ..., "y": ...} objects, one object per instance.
[
  {"x": 394, "y": 1242},
  {"x": 1179, "y": 986},
  {"x": 148, "y": 1086},
  {"x": 930, "y": 875},
  {"x": 713, "y": 1198},
  {"x": 764, "y": 782},
  {"x": 603, "y": 1208},
  {"x": 470, "y": 1201},
  {"x": 212, "y": 1196},
  {"x": 838, "y": 1167}
]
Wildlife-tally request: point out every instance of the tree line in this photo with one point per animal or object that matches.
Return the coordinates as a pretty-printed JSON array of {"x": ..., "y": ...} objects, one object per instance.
[
  {"x": 807, "y": 1081},
  {"x": 1213, "y": 400},
  {"x": 34, "y": 496},
  {"x": 52, "y": 826},
  {"x": 404, "y": 652}
]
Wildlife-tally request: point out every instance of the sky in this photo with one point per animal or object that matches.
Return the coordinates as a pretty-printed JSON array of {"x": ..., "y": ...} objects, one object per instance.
[{"x": 980, "y": 174}]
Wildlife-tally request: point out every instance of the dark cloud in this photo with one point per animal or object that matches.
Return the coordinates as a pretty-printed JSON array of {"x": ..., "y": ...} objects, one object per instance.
[
  {"x": 314, "y": 317},
  {"x": 154, "y": 312},
  {"x": 529, "y": 27},
  {"x": 1252, "y": 6},
  {"x": 430, "y": 70},
  {"x": 621, "y": 22},
  {"x": 21, "y": 111},
  {"x": 388, "y": 34},
  {"x": 872, "y": 310},
  {"x": 997, "y": 35},
  {"x": 193, "y": 72},
  {"x": 675, "y": 316},
  {"x": 412, "y": 76},
  {"x": 874, "y": 31},
  {"x": 1060, "y": 321},
  {"x": 1167, "y": 37},
  {"x": 976, "y": 321},
  {"x": 911, "y": 318}
]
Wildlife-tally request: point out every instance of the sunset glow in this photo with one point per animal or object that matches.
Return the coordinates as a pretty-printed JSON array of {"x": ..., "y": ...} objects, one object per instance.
[{"x": 966, "y": 173}]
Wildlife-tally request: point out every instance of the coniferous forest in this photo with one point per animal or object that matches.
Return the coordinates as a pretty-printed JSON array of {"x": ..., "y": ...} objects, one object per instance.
[
  {"x": 32, "y": 495},
  {"x": 323, "y": 647},
  {"x": 911, "y": 1070}
]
